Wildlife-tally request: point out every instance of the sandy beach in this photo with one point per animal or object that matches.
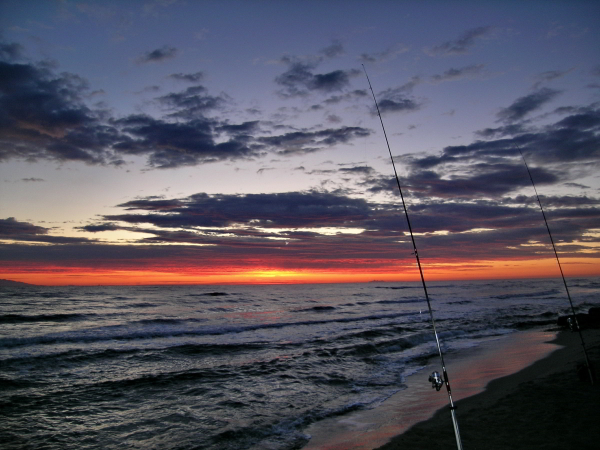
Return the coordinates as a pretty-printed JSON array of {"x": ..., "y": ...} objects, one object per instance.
[
  {"x": 526, "y": 405},
  {"x": 547, "y": 405}
]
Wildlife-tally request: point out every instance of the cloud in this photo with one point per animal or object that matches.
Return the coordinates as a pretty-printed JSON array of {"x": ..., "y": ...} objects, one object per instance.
[
  {"x": 461, "y": 45},
  {"x": 290, "y": 209},
  {"x": 170, "y": 145},
  {"x": 357, "y": 170},
  {"x": 10, "y": 51},
  {"x": 482, "y": 181},
  {"x": 550, "y": 75},
  {"x": 239, "y": 230},
  {"x": 458, "y": 74},
  {"x": 191, "y": 103},
  {"x": 527, "y": 104},
  {"x": 557, "y": 201},
  {"x": 14, "y": 230},
  {"x": 386, "y": 55},
  {"x": 242, "y": 129},
  {"x": 188, "y": 77},
  {"x": 398, "y": 99},
  {"x": 560, "y": 152},
  {"x": 300, "y": 79},
  {"x": 506, "y": 130},
  {"x": 573, "y": 139},
  {"x": 395, "y": 100},
  {"x": 158, "y": 55},
  {"x": 301, "y": 142},
  {"x": 335, "y": 49},
  {"x": 44, "y": 116},
  {"x": 357, "y": 94},
  {"x": 32, "y": 180},
  {"x": 100, "y": 227}
]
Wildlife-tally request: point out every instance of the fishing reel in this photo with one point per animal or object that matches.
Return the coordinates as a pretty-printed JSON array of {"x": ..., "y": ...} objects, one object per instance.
[
  {"x": 572, "y": 323},
  {"x": 436, "y": 380}
]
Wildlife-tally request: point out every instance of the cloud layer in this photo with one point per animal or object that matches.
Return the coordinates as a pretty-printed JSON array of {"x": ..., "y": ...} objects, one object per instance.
[{"x": 44, "y": 116}]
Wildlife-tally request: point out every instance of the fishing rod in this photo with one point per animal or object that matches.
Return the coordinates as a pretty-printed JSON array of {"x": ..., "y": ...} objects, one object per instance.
[
  {"x": 576, "y": 323},
  {"x": 435, "y": 378}
]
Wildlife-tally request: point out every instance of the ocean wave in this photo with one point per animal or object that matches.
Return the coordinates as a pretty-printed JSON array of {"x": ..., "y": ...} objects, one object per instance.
[
  {"x": 399, "y": 302},
  {"x": 397, "y": 287},
  {"x": 317, "y": 309},
  {"x": 23, "y": 318},
  {"x": 138, "y": 305},
  {"x": 208, "y": 294},
  {"x": 69, "y": 356},
  {"x": 214, "y": 349},
  {"x": 546, "y": 293},
  {"x": 154, "y": 331}
]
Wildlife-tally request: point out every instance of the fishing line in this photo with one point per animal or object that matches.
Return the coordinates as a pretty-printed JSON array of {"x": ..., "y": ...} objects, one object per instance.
[
  {"x": 434, "y": 378},
  {"x": 587, "y": 361}
]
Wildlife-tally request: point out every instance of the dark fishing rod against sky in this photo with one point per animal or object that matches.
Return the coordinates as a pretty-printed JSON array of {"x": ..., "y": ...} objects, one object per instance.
[{"x": 236, "y": 141}]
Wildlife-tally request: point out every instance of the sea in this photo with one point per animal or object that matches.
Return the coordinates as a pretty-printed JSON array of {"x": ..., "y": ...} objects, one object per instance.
[{"x": 236, "y": 367}]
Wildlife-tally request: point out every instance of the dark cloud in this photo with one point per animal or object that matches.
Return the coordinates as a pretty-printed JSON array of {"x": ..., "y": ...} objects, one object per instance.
[
  {"x": 188, "y": 77},
  {"x": 561, "y": 152},
  {"x": 357, "y": 170},
  {"x": 33, "y": 99},
  {"x": 458, "y": 74},
  {"x": 506, "y": 130},
  {"x": 576, "y": 138},
  {"x": 191, "y": 103},
  {"x": 398, "y": 105},
  {"x": 9, "y": 228},
  {"x": 242, "y": 231},
  {"x": 527, "y": 104},
  {"x": 356, "y": 94},
  {"x": 577, "y": 185},
  {"x": 10, "y": 51},
  {"x": 461, "y": 45},
  {"x": 43, "y": 115},
  {"x": 300, "y": 79},
  {"x": 241, "y": 228},
  {"x": 14, "y": 230},
  {"x": 482, "y": 181},
  {"x": 170, "y": 145},
  {"x": 555, "y": 201},
  {"x": 158, "y": 55},
  {"x": 291, "y": 209},
  {"x": 398, "y": 99},
  {"x": 100, "y": 227},
  {"x": 32, "y": 180},
  {"x": 242, "y": 129},
  {"x": 300, "y": 142},
  {"x": 335, "y": 49},
  {"x": 550, "y": 75},
  {"x": 385, "y": 55}
]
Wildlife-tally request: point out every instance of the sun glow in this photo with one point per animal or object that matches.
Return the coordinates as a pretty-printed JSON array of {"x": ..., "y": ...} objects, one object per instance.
[{"x": 438, "y": 270}]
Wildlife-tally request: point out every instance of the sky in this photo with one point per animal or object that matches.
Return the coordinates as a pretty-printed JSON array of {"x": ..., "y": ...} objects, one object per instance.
[{"x": 180, "y": 141}]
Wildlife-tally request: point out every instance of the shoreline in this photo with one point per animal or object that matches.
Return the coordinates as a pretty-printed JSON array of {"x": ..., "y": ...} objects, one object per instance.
[
  {"x": 546, "y": 405},
  {"x": 480, "y": 378}
]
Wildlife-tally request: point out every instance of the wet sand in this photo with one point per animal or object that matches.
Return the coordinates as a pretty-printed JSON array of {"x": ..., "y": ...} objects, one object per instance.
[{"x": 524, "y": 406}]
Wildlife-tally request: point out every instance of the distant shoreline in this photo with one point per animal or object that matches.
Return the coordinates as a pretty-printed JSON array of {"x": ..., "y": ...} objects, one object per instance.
[{"x": 11, "y": 283}]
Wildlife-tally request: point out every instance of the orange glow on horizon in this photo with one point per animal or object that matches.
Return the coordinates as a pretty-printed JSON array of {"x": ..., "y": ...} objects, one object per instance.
[{"x": 433, "y": 271}]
